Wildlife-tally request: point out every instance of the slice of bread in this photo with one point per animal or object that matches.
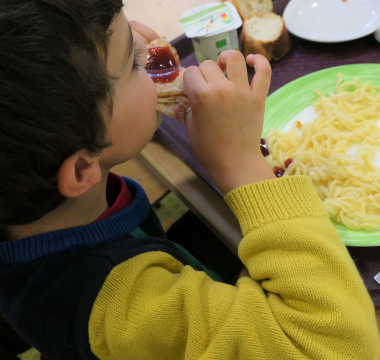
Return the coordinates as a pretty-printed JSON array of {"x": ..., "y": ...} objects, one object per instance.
[
  {"x": 171, "y": 96},
  {"x": 265, "y": 34},
  {"x": 247, "y": 8}
]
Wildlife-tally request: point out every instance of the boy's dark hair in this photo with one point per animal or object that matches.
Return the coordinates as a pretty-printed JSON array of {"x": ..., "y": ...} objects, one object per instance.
[{"x": 53, "y": 91}]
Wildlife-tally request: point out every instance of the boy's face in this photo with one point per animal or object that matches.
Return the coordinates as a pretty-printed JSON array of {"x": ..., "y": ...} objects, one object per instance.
[{"x": 134, "y": 119}]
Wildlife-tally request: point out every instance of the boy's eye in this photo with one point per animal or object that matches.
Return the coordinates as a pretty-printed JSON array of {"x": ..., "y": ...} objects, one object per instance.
[{"x": 137, "y": 57}]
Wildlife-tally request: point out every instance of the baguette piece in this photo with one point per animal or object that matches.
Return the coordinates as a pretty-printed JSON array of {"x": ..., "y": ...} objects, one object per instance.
[
  {"x": 171, "y": 96},
  {"x": 247, "y": 8},
  {"x": 266, "y": 34}
]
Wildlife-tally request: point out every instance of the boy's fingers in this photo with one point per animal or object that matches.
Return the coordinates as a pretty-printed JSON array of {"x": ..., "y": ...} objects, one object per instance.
[
  {"x": 194, "y": 80},
  {"x": 261, "y": 81},
  {"x": 211, "y": 71},
  {"x": 234, "y": 63},
  {"x": 148, "y": 33},
  {"x": 136, "y": 35}
]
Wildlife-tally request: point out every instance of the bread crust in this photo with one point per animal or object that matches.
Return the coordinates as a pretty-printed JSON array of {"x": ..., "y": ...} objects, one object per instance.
[
  {"x": 175, "y": 107},
  {"x": 236, "y": 4},
  {"x": 174, "y": 88},
  {"x": 171, "y": 97},
  {"x": 275, "y": 49}
]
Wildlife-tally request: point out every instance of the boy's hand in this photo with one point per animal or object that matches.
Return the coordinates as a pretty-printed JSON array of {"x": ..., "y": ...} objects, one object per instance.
[
  {"x": 143, "y": 32},
  {"x": 226, "y": 120}
]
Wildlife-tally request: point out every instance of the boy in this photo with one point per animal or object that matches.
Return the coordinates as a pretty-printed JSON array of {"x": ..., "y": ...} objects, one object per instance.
[{"x": 83, "y": 279}]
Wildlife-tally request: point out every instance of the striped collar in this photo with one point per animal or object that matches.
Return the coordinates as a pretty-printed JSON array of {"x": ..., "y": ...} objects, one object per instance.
[{"x": 103, "y": 231}]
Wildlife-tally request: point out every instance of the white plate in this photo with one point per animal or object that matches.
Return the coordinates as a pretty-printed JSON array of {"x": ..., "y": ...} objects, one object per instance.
[{"x": 332, "y": 20}]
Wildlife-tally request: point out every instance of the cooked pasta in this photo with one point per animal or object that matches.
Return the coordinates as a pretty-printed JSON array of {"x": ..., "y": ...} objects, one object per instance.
[{"x": 337, "y": 151}]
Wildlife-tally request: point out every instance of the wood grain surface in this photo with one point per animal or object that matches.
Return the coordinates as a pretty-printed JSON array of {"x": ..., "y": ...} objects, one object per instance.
[
  {"x": 195, "y": 193},
  {"x": 136, "y": 170}
]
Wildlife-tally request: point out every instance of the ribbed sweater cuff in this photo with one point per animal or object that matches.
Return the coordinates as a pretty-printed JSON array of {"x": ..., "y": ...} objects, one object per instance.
[{"x": 272, "y": 200}]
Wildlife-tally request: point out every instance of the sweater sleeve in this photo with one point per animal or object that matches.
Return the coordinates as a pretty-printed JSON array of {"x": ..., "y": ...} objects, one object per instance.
[{"x": 304, "y": 298}]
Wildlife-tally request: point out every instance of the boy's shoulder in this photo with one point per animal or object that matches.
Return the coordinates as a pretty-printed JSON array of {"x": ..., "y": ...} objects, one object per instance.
[
  {"x": 57, "y": 276},
  {"x": 60, "y": 290}
]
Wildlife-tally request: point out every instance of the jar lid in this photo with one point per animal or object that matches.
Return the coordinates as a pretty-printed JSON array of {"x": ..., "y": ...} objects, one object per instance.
[{"x": 210, "y": 19}]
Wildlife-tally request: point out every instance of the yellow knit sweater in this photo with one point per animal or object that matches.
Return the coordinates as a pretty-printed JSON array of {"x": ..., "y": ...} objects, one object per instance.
[{"x": 304, "y": 298}]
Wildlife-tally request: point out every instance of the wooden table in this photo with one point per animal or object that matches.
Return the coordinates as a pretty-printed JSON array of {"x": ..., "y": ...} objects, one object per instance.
[{"x": 163, "y": 17}]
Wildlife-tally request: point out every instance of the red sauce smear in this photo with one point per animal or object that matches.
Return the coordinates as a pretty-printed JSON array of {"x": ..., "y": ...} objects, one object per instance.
[
  {"x": 263, "y": 148},
  {"x": 161, "y": 65},
  {"x": 288, "y": 162},
  {"x": 279, "y": 172}
]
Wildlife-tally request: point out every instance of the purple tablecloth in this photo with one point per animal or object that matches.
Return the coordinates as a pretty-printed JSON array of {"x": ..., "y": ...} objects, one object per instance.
[{"x": 304, "y": 58}]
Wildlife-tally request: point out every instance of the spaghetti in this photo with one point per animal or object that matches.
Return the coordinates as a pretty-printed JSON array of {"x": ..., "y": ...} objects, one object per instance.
[{"x": 337, "y": 151}]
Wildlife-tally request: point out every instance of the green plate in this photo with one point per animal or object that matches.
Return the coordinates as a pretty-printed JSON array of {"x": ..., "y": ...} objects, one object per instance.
[{"x": 291, "y": 99}]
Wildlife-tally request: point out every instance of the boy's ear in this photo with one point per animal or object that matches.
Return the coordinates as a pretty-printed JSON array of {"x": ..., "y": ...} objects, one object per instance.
[{"x": 77, "y": 174}]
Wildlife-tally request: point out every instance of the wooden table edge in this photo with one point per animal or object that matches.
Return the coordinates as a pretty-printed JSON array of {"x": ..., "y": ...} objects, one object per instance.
[{"x": 195, "y": 193}]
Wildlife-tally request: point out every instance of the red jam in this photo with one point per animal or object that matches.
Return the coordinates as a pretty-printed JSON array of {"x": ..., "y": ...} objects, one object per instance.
[
  {"x": 160, "y": 57},
  {"x": 279, "y": 172},
  {"x": 288, "y": 162},
  {"x": 164, "y": 76},
  {"x": 263, "y": 148},
  {"x": 161, "y": 65}
]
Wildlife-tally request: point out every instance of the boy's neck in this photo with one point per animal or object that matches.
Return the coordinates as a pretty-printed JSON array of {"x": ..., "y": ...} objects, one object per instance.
[{"x": 74, "y": 212}]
